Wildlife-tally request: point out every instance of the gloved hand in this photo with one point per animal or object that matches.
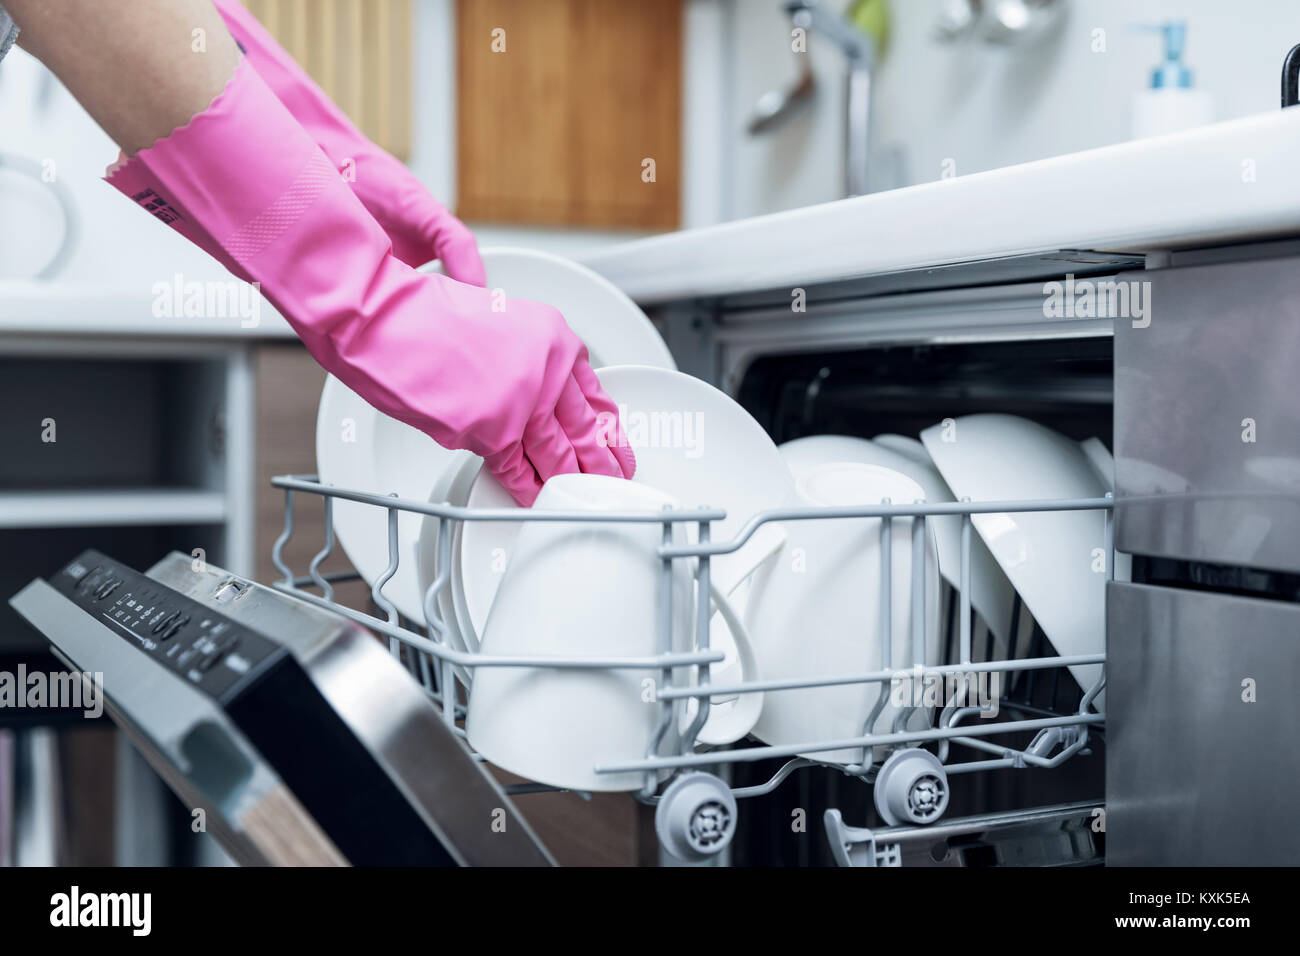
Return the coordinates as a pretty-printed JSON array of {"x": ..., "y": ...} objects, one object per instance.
[
  {"x": 505, "y": 378},
  {"x": 419, "y": 226}
]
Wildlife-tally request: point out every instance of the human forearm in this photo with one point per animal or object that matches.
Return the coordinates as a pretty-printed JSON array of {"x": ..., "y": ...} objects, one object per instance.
[{"x": 138, "y": 66}]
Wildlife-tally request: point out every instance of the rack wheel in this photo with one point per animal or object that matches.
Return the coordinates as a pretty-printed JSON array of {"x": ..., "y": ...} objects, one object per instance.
[
  {"x": 696, "y": 817},
  {"x": 911, "y": 787}
]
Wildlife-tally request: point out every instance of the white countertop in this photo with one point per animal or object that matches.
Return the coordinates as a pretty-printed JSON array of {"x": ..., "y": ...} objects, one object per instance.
[
  {"x": 1229, "y": 182},
  {"x": 1191, "y": 188},
  {"x": 29, "y": 307}
]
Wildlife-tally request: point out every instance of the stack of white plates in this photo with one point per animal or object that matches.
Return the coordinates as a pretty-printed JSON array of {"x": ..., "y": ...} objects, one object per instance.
[
  {"x": 1056, "y": 560},
  {"x": 357, "y": 447}
]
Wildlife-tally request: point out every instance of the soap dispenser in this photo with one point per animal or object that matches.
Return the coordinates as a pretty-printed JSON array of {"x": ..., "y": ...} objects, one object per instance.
[{"x": 1171, "y": 103}]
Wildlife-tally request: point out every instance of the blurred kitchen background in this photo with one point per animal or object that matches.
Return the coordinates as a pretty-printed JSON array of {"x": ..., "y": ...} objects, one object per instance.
[
  {"x": 683, "y": 76},
  {"x": 137, "y": 433}
]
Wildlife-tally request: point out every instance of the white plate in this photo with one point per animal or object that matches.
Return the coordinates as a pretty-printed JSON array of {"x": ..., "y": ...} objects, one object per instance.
[
  {"x": 452, "y": 488},
  {"x": 1051, "y": 557},
  {"x": 40, "y": 224},
  {"x": 691, "y": 441},
  {"x": 358, "y": 447},
  {"x": 991, "y": 594}
]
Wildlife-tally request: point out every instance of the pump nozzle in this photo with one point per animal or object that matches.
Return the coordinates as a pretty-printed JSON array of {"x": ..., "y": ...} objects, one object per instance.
[{"x": 1171, "y": 73}]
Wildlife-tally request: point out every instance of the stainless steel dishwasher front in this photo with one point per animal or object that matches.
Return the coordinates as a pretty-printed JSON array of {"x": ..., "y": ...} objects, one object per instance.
[
  {"x": 1207, "y": 419},
  {"x": 1201, "y": 761},
  {"x": 1202, "y": 765}
]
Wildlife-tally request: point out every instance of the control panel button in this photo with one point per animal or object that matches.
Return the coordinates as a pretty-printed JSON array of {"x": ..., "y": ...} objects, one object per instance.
[
  {"x": 217, "y": 653},
  {"x": 190, "y": 637},
  {"x": 175, "y": 627}
]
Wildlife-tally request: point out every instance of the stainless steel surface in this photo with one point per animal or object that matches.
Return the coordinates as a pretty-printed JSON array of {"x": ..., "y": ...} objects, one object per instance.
[
  {"x": 385, "y": 709},
  {"x": 857, "y": 132},
  {"x": 398, "y": 743},
  {"x": 7, "y": 767},
  {"x": 164, "y": 717},
  {"x": 956, "y": 19},
  {"x": 1201, "y": 761},
  {"x": 36, "y": 799},
  {"x": 775, "y": 107},
  {"x": 1017, "y": 22},
  {"x": 1039, "y": 835},
  {"x": 1207, "y": 428},
  {"x": 859, "y": 53},
  {"x": 1002, "y": 22}
]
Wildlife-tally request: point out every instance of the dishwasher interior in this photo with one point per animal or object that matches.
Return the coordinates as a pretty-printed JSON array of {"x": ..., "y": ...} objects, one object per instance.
[
  {"x": 895, "y": 355},
  {"x": 1194, "y": 405},
  {"x": 1062, "y": 382}
]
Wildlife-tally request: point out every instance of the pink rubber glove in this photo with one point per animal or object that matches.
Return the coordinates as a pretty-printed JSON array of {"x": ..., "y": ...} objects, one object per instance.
[
  {"x": 420, "y": 227},
  {"x": 505, "y": 378}
]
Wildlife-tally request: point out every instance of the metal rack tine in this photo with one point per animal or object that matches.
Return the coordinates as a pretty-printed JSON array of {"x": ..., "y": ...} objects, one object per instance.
[
  {"x": 313, "y": 569},
  {"x": 277, "y": 549}
]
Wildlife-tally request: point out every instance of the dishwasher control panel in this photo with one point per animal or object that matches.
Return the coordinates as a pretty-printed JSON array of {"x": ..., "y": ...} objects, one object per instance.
[{"x": 207, "y": 648}]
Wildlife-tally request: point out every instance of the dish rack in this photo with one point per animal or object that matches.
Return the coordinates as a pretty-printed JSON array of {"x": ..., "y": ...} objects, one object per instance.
[{"x": 696, "y": 811}]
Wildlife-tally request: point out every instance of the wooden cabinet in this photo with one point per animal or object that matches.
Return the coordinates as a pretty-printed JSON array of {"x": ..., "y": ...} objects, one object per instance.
[
  {"x": 569, "y": 112},
  {"x": 359, "y": 51}
]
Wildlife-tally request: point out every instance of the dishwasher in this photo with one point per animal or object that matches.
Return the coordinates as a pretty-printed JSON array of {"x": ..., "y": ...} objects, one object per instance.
[{"x": 1179, "y": 770}]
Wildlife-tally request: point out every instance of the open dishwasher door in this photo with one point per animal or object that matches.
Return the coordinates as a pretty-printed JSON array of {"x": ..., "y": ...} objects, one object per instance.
[{"x": 291, "y": 733}]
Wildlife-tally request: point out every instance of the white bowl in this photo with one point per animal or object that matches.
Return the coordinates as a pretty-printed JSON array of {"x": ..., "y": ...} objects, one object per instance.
[
  {"x": 816, "y": 612},
  {"x": 731, "y": 463},
  {"x": 580, "y": 589},
  {"x": 991, "y": 594},
  {"x": 1055, "y": 559}
]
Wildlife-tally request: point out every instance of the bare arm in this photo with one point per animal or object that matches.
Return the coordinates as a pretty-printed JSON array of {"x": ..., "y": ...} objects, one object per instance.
[{"x": 135, "y": 65}]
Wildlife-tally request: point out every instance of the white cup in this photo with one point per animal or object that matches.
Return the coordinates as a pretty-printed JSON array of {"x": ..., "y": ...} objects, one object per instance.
[
  {"x": 585, "y": 589},
  {"x": 815, "y": 610}
]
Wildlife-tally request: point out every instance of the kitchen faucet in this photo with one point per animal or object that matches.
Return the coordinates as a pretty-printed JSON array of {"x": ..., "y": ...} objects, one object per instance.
[{"x": 859, "y": 50}]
